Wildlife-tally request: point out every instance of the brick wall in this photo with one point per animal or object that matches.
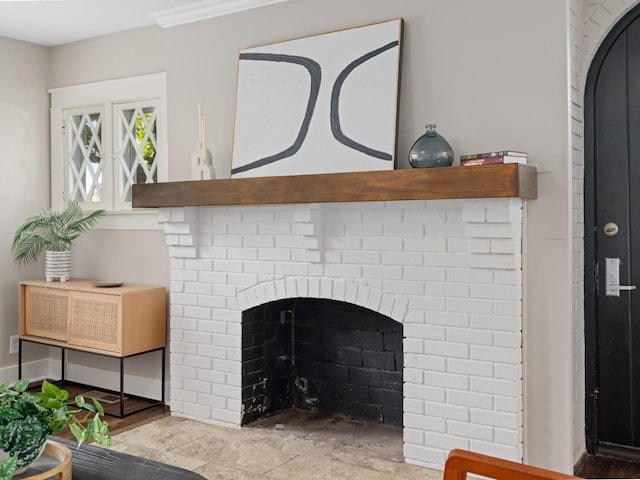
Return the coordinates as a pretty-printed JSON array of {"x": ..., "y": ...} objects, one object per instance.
[{"x": 449, "y": 270}]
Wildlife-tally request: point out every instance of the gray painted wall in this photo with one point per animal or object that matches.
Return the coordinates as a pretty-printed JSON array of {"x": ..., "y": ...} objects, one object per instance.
[
  {"x": 24, "y": 161},
  {"x": 491, "y": 74}
]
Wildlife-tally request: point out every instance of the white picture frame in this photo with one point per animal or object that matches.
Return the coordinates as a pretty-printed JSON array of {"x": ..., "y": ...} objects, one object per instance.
[{"x": 319, "y": 104}]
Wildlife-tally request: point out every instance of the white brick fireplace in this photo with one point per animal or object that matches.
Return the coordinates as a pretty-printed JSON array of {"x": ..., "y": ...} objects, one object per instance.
[{"x": 450, "y": 271}]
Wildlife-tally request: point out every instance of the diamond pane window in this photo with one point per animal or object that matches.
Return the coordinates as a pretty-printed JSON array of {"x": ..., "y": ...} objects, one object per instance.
[
  {"x": 103, "y": 143},
  {"x": 84, "y": 157},
  {"x": 136, "y": 147}
]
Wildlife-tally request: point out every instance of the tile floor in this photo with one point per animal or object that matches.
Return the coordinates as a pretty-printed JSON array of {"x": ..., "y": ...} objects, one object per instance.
[{"x": 288, "y": 446}]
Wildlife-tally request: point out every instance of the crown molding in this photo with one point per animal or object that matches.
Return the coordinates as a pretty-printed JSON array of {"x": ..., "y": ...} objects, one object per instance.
[{"x": 205, "y": 9}]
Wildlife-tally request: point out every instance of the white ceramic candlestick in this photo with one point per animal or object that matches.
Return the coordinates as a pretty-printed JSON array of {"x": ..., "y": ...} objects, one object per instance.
[
  {"x": 201, "y": 166},
  {"x": 203, "y": 139},
  {"x": 202, "y": 158}
]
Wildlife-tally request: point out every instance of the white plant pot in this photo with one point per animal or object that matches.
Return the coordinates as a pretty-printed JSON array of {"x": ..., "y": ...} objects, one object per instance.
[{"x": 57, "y": 265}]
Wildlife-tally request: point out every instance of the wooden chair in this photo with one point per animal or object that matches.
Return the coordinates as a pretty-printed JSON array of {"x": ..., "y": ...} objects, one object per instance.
[{"x": 461, "y": 462}]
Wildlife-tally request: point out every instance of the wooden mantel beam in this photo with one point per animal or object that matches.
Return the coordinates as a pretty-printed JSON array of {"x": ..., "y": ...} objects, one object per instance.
[{"x": 487, "y": 181}]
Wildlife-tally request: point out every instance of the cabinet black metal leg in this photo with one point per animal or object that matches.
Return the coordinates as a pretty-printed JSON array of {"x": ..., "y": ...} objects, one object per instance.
[
  {"x": 62, "y": 363},
  {"x": 121, "y": 387},
  {"x": 163, "y": 375},
  {"x": 20, "y": 359},
  {"x": 63, "y": 360}
]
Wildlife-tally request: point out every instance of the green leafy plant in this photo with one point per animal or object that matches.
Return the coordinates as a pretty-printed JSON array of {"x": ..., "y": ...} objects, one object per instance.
[
  {"x": 51, "y": 230},
  {"x": 28, "y": 418}
]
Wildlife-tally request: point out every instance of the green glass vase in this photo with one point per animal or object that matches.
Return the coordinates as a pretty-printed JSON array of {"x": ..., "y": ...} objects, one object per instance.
[{"x": 431, "y": 150}]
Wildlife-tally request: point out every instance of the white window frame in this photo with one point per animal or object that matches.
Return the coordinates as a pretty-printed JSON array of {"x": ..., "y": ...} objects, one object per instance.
[{"x": 122, "y": 90}]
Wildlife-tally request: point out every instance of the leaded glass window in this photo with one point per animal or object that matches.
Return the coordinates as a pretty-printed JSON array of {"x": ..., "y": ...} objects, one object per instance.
[
  {"x": 106, "y": 136},
  {"x": 85, "y": 157},
  {"x": 136, "y": 147},
  {"x": 108, "y": 150}
]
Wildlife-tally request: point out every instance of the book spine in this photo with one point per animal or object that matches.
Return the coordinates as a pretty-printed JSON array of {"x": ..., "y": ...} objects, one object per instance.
[
  {"x": 496, "y": 160},
  {"x": 501, "y": 153}
]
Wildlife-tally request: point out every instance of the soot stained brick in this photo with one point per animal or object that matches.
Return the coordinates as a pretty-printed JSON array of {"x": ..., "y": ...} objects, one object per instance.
[{"x": 347, "y": 360}]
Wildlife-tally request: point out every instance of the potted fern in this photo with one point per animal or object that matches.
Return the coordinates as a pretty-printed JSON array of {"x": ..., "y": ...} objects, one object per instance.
[
  {"x": 53, "y": 232},
  {"x": 28, "y": 418}
]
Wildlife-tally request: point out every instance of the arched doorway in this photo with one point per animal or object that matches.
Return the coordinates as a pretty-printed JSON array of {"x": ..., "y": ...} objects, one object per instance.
[{"x": 612, "y": 241}]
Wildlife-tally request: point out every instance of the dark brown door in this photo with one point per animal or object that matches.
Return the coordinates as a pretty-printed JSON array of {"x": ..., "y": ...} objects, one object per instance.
[{"x": 612, "y": 241}]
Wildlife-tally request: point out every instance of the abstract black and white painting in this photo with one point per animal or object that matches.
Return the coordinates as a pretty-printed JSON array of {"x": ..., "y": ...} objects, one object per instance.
[{"x": 319, "y": 104}]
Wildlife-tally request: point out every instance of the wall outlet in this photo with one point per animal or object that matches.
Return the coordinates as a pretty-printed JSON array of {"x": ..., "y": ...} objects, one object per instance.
[{"x": 14, "y": 344}]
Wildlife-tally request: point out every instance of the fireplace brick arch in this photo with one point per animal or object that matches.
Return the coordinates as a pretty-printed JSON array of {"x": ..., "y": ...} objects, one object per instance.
[{"x": 392, "y": 306}]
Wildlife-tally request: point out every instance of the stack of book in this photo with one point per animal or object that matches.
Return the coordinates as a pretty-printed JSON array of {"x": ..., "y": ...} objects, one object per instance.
[{"x": 493, "y": 158}]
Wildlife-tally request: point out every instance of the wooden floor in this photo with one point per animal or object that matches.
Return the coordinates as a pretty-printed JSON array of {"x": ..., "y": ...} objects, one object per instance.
[
  {"x": 117, "y": 425},
  {"x": 601, "y": 466}
]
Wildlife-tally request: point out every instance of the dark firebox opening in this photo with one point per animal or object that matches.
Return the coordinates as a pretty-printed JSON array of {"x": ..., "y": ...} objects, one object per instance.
[{"x": 321, "y": 355}]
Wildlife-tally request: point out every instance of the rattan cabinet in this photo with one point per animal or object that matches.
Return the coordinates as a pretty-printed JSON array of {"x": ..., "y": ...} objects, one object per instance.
[{"x": 122, "y": 321}]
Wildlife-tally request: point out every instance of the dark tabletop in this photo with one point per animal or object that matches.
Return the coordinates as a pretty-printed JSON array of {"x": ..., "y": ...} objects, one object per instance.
[{"x": 96, "y": 463}]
